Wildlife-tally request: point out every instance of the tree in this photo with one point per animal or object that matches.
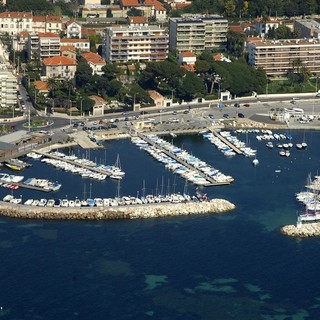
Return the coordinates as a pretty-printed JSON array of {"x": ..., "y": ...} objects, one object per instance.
[
  {"x": 110, "y": 71},
  {"x": 133, "y": 12},
  {"x": 235, "y": 43},
  {"x": 83, "y": 74},
  {"x": 53, "y": 85},
  {"x": 230, "y": 8},
  {"x": 192, "y": 85}
]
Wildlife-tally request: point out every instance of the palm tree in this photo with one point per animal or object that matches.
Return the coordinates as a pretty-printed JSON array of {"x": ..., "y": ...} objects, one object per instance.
[{"x": 53, "y": 85}]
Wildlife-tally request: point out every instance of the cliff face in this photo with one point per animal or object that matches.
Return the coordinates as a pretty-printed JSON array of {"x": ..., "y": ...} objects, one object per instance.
[{"x": 121, "y": 212}]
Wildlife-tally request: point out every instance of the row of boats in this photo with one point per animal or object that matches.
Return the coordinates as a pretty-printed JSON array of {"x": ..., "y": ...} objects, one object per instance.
[
  {"x": 107, "y": 202},
  {"x": 226, "y": 149},
  {"x": 84, "y": 167},
  {"x": 13, "y": 182},
  {"x": 180, "y": 161},
  {"x": 310, "y": 199},
  {"x": 16, "y": 164}
]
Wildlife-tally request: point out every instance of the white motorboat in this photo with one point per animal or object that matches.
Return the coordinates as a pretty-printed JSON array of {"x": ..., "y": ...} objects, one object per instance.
[
  {"x": 28, "y": 202},
  {"x": 42, "y": 202},
  {"x": 255, "y": 162},
  {"x": 50, "y": 203}
]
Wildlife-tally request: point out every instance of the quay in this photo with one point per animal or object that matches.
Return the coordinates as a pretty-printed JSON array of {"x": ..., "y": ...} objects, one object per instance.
[
  {"x": 228, "y": 143},
  {"x": 19, "y": 211},
  {"x": 212, "y": 182},
  {"x": 49, "y": 155}
]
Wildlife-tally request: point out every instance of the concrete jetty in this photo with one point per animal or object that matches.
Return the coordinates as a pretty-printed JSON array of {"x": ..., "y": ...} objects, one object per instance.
[
  {"x": 211, "y": 180},
  {"x": 121, "y": 212},
  {"x": 228, "y": 143},
  {"x": 303, "y": 230}
]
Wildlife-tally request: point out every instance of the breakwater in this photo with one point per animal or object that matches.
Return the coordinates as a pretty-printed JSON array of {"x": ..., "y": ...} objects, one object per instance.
[
  {"x": 303, "y": 230},
  {"x": 120, "y": 212}
]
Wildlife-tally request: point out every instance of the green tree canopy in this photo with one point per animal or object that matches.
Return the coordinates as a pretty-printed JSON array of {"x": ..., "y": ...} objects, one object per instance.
[{"x": 83, "y": 74}]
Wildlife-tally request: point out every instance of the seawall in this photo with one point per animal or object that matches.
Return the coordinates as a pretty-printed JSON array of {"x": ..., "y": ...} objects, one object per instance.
[
  {"x": 303, "y": 231},
  {"x": 120, "y": 212}
]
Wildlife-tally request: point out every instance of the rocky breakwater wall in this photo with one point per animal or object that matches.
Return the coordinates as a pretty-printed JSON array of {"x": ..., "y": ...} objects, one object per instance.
[
  {"x": 302, "y": 231},
  {"x": 120, "y": 212}
]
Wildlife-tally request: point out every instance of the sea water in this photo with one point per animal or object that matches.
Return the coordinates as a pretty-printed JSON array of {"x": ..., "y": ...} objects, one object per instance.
[{"x": 236, "y": 265}]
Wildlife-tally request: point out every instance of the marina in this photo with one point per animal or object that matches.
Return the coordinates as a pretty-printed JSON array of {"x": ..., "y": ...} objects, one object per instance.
[{"x": 191, "y": 168}]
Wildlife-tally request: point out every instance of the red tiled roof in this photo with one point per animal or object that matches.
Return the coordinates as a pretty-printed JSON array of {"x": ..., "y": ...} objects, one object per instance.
[
  {"x": 188, "y": 67},
  {"x": 137, "y": 20},
  {"x": 236, "y": 28},
  {"x": 41, "y": 85},
  {"x": 68, "y": 47},
  {"x": 98, "y": 99},
  {"x": 88, "y": 31},
  {"x": 148, "y": 3},
  {"x": 16, "y": 15},
  {"x": 93, "y": 58},
  {"x": 182, "y": 5},
  {"x": 48, "y": 35},
  {"x": 59, "y": 61},
  {"x": 69, "y": 40},
  {"x": 46, "y": 19},
  {"x": 187, "y": 54}
]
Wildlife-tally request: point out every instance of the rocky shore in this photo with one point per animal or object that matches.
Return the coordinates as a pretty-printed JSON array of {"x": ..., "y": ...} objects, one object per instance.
[
  {"x": 123, "y": 212},
  {"x": 303, "y": 231}
]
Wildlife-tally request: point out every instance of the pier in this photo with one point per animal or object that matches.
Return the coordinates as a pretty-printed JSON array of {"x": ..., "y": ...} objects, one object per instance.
[
  {"x": 97, "y": 170},
  {"x": 22, "y": 185},
  {"x": 228, "y": 143},
  {"x": 211, "y": 181}
]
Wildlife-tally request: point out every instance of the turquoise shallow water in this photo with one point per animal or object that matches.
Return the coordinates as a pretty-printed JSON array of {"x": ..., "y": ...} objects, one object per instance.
[{"x": 231, "y": 266}]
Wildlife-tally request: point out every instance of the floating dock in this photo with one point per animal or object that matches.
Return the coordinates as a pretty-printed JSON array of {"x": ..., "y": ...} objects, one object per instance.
[{"x": 228, "y": 143}]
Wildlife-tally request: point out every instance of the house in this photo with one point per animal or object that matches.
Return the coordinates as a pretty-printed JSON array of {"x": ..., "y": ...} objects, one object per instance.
[
  {"x": 69, "y": 51},
  {"x": 46, "y": 24},
  {"x": 150, "y": 8},
  {"x": 61, "y": 68},
  {"x": 42, "y": 87},
  {"x": 95, "y": 61},
  {"x": 263, "y": 26},
  {"x": 159, "y": 100},
  {"x": 187, "y": 57},
  {"x": 137, "y": 21},
  {"x": 15, "y": 22},
  {"x": 80, "y": 44},
  {"x": 94, "y": 11},
  {"x": 99, "y": 105},
  {"x": 73, "y": 29}
]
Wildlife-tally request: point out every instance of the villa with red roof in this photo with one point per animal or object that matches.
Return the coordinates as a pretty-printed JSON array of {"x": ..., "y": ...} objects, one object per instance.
[
  {"x": 150, "y": 8},
  {"x": 61, "y": 68},
  {"x": 95, "y": 61}
]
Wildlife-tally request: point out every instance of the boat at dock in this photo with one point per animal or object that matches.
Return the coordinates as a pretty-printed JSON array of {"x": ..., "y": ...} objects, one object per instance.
[
  {"x": 41, "y": 184},
  {"x": 16, "y": 164}
]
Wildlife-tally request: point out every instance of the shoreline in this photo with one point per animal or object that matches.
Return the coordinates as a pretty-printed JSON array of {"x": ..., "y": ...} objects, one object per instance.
[{"x": 213, "y": 206}]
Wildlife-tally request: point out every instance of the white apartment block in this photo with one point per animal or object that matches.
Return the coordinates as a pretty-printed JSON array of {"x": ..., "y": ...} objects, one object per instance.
[
  {"x": 135, "y": 43},
  {"x": 80, "y": 44},
  {"x": 47, "y": 24},
  {"x": 73, "y": 29},
  {"x": 197, "y": 33},
  {"x": 8, "y": 88},
  {"x": 278, "y": 57},
  {"x": 60, "y": 68},
  {"x": 43, "y": 45},
  {"x": 15, "y": 22}
]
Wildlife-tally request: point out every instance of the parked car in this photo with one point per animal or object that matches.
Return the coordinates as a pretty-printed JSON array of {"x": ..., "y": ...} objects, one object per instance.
[
  {"x": 237, "y": 105},
  {"x": 226, "y": 116},
  {"x": 247, "y": 105},
  {"x": 186, "y": 111},
  {"x": 240, "y": 115}
]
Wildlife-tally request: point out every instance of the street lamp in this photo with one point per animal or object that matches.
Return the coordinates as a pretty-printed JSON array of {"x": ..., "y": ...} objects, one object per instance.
[{"x": 81, "y": 106}]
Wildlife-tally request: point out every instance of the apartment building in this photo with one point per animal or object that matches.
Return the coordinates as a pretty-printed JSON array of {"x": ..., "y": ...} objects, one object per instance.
[
  {"x": 61, "y": 68},
  {"x": 46, "y": 24},
  {"x": 8, "y": 88},
  {"x": 73, "y": 29},
  {"x": 79, "y": 44},
  {"x": 197, "y": 33},
  {"x": 307, "y": 28},
  {"x": 135, "y": 43},
  {"x": 278, "y": 57},
  {"x": 15, "y": 22},
  {"x": 43, "y": 45},
  {"x": 262, "y": 25}
]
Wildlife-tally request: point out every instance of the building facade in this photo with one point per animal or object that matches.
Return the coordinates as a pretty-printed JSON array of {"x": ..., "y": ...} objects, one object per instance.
[
  {"x": 80, "y": 44},
  {"x": 15, "y": 22},
  {"x": 130, "y": 43},
  {"x": 8, "y": 89},
  {"x": 60, "y": 68},
  {"x": 43, "y": 45},
  {"x": 198, "y": 33},
  {"x": 279, "y": 57},
  {"x": 307, "y": 28},
  {"x": 95, "y": 61}
]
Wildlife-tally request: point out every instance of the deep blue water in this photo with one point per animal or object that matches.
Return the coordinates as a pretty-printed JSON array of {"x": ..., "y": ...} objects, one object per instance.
[{"x": 231, "y": 266}]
